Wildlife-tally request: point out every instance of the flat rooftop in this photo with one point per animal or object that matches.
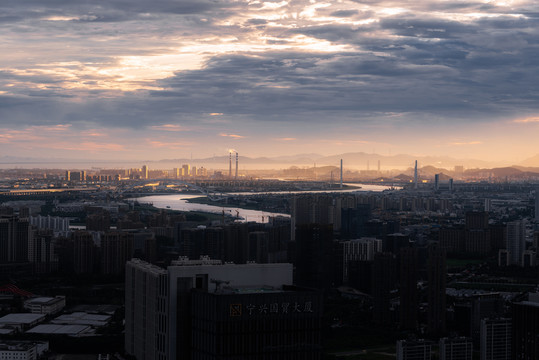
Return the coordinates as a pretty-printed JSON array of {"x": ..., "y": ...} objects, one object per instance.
[
  {"x": 60, "y": 329},
  {"x": 21, "y": 318}
]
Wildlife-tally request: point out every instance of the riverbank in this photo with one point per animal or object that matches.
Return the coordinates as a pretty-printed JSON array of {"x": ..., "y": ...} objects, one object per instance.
[{"x": 181, "y": 203}]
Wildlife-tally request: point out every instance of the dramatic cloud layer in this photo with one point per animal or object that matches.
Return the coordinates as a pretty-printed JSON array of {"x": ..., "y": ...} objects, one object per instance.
[{"x": 140, "y": 79}]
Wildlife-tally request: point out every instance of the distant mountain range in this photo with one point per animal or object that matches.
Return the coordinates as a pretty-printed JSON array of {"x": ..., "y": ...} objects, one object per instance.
[
  {"x": 356, "y": 160},
  {"x": 533, "y": 161},
  {"x": 359, "y": 160}
]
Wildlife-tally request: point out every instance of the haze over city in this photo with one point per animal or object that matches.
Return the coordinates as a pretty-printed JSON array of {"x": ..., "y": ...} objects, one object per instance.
[{"x": 142, "y": 80}]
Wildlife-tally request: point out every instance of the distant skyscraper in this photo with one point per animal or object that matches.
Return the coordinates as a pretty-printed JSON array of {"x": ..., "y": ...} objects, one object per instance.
[
  {"x": 230, "y": 164},
  {"x": 237, "y": 160},
  {"x": 436, "y": 182},
  {"x": 415, "y": 176},
  {"x": 145, "y": 172},
  {"x": 186, "y": 170},
  {"x": 341, "y": 173}
]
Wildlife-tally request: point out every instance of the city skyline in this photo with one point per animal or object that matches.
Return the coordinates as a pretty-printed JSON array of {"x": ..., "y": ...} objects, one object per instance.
[{"x": 139, "y": 81}]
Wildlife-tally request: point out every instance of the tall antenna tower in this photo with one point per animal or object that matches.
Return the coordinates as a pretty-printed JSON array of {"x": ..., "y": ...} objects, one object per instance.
[
  {"x": 341, "y": 173},
  {"x": 237, "y": 156},
  {"x": 230, "y": 164},
  {"x": 415, "y": 175}
]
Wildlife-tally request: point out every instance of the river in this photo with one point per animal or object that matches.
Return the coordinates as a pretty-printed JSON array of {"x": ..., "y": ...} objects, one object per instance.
[{"x": 180, "y": 202}]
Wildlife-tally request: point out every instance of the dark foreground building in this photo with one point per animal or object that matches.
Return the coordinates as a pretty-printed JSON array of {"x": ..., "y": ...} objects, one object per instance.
[
  {"x": 256, "y": 323},
  {"x": 525, "y": 344}
]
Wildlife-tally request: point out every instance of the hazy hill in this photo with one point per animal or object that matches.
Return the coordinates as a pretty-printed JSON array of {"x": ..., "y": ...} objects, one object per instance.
[{"x": 533, "y": 161}]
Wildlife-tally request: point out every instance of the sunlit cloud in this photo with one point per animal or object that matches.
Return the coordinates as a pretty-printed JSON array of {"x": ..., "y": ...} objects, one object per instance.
[
  {"x": 167, "y": 144},
  {"x": 459, "y": 143},
  {"x": 273, "y": 5},
  {"x": 234, "y": 136},
  {"x": 395, "y": 71},
  {"x": 527, "y": 120},
  {"x": 168, "y": 127},
  {"x": 98, "y": 147},
  {"x": 93, "y": 133},
  {"x": 54, "y": 128}
]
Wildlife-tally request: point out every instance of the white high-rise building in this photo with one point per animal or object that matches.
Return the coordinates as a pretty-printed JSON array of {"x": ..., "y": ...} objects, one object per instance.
[
  {"x": 157, "y": 299},
  {"x": 495, "y": 339}
]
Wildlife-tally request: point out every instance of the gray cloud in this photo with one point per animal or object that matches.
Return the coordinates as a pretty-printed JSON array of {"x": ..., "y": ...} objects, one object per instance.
[{"x": 423, "y": 66}]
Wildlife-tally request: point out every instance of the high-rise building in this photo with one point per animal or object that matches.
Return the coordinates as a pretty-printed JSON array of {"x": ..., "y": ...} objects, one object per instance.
[
  {"x": 314, "y": 256},
  {"x": 436, "y": 273},
  {"x": 256, "y": 323},
  {"x": 383, "y": 283},
  {"x": 186, "y": 170},
  {"x": 416, "y": 178},
  {"x": 354, "y": 220},
  {"x": 146, "y": 311},
  {"x": 145, "y": 172},
  {"x": 529, "y": 258},
  {"x": 159, "y": 302},
  {"x": 414, "y": 350},
  {"x": 41, "y": 252},
  {"x": 477, "y": 237},
  {"x": 15, "y": 237},
  {"x": 259, "y": 247},
  {"x": 476, "y": 220},
  {"x": 525, "y": 344},
  {"x": 483, "y": 306},
  {"x": 98, "y": 220},
  {"x": 236, "y": 243},
  {"x": 457, "y": 348},
  {"x": 359, "y": 250},
  {"x": 452, "y": 239},
  {"x": 516, "y": 241},
  {"x": 84, "y": 253},
  {"x": 409, "y": 295},
  {"x": 116, "y": 250},
  {"x": 536, "y": 217},
  {"x": 495, "y": 339}
]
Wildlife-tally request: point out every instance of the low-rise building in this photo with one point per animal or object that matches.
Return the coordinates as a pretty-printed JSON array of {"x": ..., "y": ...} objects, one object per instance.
[
  {"x": 45, "y": 305},
  {"x": 22, "y": 350}
]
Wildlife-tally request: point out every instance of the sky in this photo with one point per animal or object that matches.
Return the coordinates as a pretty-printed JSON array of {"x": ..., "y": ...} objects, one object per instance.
[{"x": 164, "y": 79}]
